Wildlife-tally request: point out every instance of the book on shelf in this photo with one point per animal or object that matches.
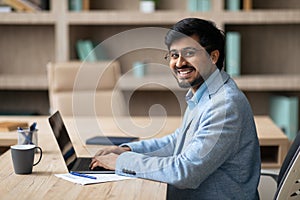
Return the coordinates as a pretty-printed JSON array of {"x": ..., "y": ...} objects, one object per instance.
[
  {"x": 247, "y": 5},
  {"x": 192, "y": 5},
  {"x": 75, "y": 5},
  {"x": 100, "y": 52},
  {"x": 6, "y": 126},
  {"x": 79, "y": 5},
  {"x": 236, "y": 5},
  {"x": 85, "y": 51},
  {"x": 22, "y": 5},
  {"x": 284, "y": 112},
  {"x": 199, "y": 5},
  {"x": 85, "y": 4},
  {"x": 233, "y": 53},
  {"x": 233, "y": 5}
]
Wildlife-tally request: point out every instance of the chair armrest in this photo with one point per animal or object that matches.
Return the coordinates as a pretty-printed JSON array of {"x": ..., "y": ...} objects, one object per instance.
[{"x": 269, "y": 173}]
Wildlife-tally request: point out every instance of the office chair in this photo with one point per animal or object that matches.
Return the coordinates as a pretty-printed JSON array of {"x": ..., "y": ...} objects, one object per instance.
[
  {"x": 288, "y": 179},
  {"x": 85, "y": 97}
]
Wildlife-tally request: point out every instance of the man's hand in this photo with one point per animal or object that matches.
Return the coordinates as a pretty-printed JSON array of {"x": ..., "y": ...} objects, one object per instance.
[
  {"x": 107, "y": 161},
  {"x": 112, "y": 149},
  {"x": 107, "y": 157}
]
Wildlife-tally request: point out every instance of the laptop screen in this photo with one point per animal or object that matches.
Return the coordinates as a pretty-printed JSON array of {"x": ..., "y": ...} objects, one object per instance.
[{"x": 63, "y": 139}]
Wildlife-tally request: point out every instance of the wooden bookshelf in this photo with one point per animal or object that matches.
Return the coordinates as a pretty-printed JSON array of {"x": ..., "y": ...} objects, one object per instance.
[
  {"x": 171, "y": 17},
  {"x": 27, "y": 18},
  {"x": 269, "y": 82},
  {"x": 23, "y": 82},
  {"x": 269, "y": 30}
]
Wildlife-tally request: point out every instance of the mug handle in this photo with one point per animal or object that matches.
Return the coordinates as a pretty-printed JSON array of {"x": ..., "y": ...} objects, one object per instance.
[{"x": 41, "y": 153}]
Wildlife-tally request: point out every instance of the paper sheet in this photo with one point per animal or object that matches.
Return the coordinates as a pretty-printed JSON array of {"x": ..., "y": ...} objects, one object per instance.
[{"x": 101, "y": 178}]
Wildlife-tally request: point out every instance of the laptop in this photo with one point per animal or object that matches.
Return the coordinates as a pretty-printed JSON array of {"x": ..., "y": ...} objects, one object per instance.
[{"x": 74, "y": 163}]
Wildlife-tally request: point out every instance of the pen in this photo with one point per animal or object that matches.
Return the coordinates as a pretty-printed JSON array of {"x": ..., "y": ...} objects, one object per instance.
[
  {"x": 83, "y": 175},
  {"x": 32, "y": 127},
  {"x": 27, "y": 138}
]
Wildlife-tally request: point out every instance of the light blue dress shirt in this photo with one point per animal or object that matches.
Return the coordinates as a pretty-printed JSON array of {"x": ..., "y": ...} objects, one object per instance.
[{"x": 214, "y": 154}]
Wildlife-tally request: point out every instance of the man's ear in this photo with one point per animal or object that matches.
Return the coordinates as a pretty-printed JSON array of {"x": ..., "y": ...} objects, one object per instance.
[{"x": 214, "y": 55}]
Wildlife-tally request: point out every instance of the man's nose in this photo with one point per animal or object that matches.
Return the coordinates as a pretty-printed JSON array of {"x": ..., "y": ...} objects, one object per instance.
[{"x": 180, "y": 61}]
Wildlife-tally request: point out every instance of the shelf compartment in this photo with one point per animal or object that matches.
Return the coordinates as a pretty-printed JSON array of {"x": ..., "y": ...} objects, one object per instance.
[
  {"x": 269, "y": 154},
  {"x": 118, "y": 44},
  {"x": 275, "y": 4},
  {"x": 179, "y": 5},
  {"x": 21, "y": 102},
  {"x": 26, "y": 51},
  {"x": 268, "y": 48}
]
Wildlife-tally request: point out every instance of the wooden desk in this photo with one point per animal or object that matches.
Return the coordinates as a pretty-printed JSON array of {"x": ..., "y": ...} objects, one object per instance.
[
  {"x": 274, "y": 144},
  {"x": 42, "y": 184}
]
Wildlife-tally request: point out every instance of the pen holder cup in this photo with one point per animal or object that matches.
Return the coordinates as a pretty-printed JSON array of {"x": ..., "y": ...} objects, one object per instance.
[{"x": 26, "y": 136}]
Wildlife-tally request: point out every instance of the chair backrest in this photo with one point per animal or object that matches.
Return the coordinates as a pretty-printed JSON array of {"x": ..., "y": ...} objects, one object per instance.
[
  {"x": 289, "y": 156},
  {"x": 85, "y": 89},
  {"x": 289, "y": 175},
  {"x": 289, "y": 186}
]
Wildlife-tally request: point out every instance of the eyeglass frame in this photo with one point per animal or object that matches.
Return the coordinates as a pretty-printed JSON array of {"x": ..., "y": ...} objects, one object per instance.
[{"x": 183, "y": 53}]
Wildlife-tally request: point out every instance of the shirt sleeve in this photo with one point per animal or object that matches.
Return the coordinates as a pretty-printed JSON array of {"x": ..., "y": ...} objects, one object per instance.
[{"x": 155, "y": 147}]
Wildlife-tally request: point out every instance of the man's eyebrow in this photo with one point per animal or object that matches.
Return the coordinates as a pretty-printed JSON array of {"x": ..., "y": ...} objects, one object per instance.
[
  {"x": 182, "y": 48},
  {"x": 189, "y": 48}
]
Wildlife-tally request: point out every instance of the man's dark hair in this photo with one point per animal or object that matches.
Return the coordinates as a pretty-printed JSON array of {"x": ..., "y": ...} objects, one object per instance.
[{"x": 210, "y": 37}]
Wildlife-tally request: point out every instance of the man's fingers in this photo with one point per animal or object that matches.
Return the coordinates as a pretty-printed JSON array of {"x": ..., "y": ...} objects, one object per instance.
[
  {"x": 99, "y": 153},
  {"x": 102, "y": 152},
  {"x": 92, "y": 163},
  {"x": 113, "y": 149},
  {"x": 97, "y": 163}
]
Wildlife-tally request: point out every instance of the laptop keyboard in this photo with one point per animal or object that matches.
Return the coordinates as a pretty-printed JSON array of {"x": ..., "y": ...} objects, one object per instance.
[{"x": 84, "y": 164}]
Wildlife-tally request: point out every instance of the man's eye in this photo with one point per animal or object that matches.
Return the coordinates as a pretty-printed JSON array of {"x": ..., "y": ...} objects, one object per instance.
[
  {"x": 189, "y": 53},
  {"x": 174, "y": 55}
]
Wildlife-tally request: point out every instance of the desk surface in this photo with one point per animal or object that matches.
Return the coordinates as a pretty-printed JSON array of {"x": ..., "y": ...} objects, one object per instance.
[
  {"x": 42, "y": 184},
  {"x": 266, "y": 129}
]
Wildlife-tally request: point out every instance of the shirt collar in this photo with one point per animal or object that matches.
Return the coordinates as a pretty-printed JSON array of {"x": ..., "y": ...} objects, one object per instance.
[{"x": 193, "y": 99}]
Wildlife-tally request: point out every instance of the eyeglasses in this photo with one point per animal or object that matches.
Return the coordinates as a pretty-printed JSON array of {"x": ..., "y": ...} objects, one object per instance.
[{"x": 187, "y": 52}]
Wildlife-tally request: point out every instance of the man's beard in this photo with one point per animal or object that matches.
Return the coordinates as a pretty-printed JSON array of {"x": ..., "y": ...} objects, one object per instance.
[{"x": 186, "y": 84}]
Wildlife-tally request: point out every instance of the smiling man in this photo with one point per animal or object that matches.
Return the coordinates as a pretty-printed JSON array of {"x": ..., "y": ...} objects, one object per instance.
[
  {"x": 214, "y": 154},
  {"x": 190, "y": 62}
]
